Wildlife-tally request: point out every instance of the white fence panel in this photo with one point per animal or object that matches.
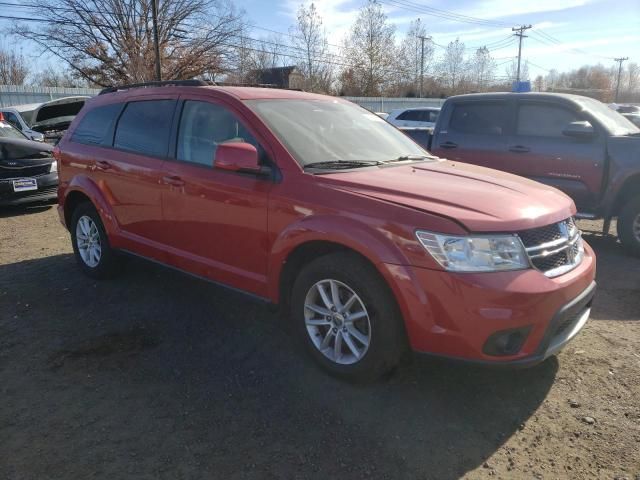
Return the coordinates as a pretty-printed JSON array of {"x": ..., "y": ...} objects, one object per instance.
[{"x": 19, "y": 94}]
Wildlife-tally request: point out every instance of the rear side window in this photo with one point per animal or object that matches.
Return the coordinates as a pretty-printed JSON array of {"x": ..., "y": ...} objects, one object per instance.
[
  {"x": 412, "y": 115},
  {"x": 203, "y": 126},
  {"x": 479, "y": 118},
  {"x": 94, "y": 126},
  {"x": 12, "y": 119},
  {"x": 145, "y": 127},
  {"x": 544, "y": 120}
]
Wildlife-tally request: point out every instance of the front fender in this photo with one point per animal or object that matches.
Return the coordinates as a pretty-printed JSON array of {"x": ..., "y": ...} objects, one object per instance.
[
  {"x": 372, "y": 243},
  {"x": 99, "y": 194}
]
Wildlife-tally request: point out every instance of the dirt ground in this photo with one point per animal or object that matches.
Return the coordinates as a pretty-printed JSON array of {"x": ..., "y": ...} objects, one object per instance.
[{"x": 156, "y": 375}]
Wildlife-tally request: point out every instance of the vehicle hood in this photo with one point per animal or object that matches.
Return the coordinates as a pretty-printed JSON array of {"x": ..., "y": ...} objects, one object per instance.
[
  {"x": 61, "y": 111},
  {"x": 20, "y": 153},
  {"x": 481, "y": 199}
]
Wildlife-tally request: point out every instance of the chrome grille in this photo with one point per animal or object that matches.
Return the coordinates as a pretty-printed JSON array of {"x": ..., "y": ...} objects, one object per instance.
[{"x": 554, "y": 249}]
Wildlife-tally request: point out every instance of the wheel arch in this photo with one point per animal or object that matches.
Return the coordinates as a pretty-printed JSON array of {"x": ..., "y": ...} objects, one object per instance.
[{"x": 82, "y": 189}]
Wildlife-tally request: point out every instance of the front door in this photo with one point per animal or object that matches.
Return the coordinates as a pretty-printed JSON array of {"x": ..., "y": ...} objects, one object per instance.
[
  {"x": 540, "y": 151},
  {"x": 215, "y": 221}
]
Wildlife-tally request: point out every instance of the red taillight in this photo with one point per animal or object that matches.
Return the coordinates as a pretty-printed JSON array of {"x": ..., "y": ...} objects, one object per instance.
[
  {"x": 56, "y": 153},
  {"x": 1, "y": 117}
]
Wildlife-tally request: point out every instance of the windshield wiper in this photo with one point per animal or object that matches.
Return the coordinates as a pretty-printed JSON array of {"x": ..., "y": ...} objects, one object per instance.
[
  {"x": 404, "y": 158},
  {"x": 339, "y": 164}
]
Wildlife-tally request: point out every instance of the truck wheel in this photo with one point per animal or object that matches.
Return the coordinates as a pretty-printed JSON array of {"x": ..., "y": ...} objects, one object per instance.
[
  {"x": 629, "y": 226},
  {"x": 347, "y": 317},
  {"x": 90, "y": 243}
]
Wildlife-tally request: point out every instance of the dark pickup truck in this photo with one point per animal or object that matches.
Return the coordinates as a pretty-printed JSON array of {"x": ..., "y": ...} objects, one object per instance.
[{"x": 573, "y": 143}]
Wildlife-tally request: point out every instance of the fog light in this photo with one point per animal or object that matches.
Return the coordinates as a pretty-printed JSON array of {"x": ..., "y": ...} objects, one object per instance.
[{"x": 506, "y": 342}]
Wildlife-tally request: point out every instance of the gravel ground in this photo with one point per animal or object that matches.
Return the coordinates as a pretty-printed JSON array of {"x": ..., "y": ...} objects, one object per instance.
[{"x": 158, "y": 375}]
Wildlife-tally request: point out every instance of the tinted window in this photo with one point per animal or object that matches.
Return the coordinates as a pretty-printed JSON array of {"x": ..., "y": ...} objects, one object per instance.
[
  {"x": 479, "y": 118},
  {"x": 544, "y": 120},
  {"x": 203, "y": 126},
  {"x": 7, "y": 131},
  {"x": 95, "y": 125},
  {"x": 412, "y": 115},
  {"x": 12, "y": 119},
  {"x": 144, "y": 127}
]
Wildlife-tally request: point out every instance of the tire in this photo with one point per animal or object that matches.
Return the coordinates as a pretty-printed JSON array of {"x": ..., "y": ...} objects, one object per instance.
[
  {"x": 629, "y": 226},
  {"x": 103, "y": 264},
  {"x": 381, "y": 325}
]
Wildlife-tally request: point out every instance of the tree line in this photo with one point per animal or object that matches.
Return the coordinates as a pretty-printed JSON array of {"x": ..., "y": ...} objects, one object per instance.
[{"x": 110, "y": 42}]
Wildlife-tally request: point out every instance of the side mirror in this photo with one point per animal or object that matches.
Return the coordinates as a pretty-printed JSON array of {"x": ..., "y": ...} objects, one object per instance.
[
  {"x": 579, "y": 130},
  {"x": 237, "y": 157}
]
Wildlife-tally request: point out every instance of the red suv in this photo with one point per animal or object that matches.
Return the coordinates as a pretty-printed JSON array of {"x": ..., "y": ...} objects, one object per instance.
[{"x": 317, "y": 205}]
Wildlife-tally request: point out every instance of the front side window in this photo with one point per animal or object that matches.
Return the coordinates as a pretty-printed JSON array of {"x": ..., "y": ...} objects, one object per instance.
[
  {"x": 544, "y": 120},
  {"x": 480, "y": 118},
  {"x": 145, "y": 127},
  {"x": 94, "y": 126},
  {"x": 204, "y": 126}
]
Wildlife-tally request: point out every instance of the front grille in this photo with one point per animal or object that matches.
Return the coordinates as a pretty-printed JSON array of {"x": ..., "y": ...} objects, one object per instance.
[
  {"x": 20, "y": 172},
  {"x": 554, "y": 249}
]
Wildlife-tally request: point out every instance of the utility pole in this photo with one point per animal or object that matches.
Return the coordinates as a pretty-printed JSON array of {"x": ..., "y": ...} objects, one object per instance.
[
  {"x": 619, "y": 60},
  {"x": 156, "y": 46},
  {"x": 519, "y": 33},
  {"x": 422, "y": 39}
]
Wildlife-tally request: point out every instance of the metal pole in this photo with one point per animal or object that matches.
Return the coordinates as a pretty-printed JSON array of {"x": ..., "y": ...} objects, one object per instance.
[
  {"x": 619, "y": 60},
  {"x": 422, "y": 39},
  {"x": 156, "y": 45}
]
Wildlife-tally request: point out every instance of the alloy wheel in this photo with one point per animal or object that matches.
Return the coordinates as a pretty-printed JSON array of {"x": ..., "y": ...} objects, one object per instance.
[
  {"x": 88, "y": 241},
  {"x": 337, "y": 321}
]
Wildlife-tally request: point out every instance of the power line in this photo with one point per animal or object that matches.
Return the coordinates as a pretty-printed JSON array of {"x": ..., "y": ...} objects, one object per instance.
[{"x": 440, "y": 13}]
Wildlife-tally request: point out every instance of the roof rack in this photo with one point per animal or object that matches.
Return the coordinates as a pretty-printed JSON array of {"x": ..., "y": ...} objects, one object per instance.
[
  {"x": 191, "y": 83},
  {"x": 165, "y": 83}
]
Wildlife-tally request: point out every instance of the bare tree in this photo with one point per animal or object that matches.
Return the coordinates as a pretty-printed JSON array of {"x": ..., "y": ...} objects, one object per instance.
[
  {"x": 370, "y": 49},
  {"x": 410, "y": 58},
  {"x": 268, "y": 52},
  {"x": 539, "y": 83},
  {"x": 633, "y": 76},
  {"x": 482, "y": 68},
  {"x": 511, "y": 71},
  {"x": 452, "y": 66},
  {"x": 111, "y": 41},
  {"x": 13, "y": 68},
  {"x": 50, "y": 77},
  {"x": 309, "y": 39}
]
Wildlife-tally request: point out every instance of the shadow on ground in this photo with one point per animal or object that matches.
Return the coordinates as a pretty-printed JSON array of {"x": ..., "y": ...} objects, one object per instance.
[
  {"x": 15, "y": 211},
  {"x": 158, "y": 375}
]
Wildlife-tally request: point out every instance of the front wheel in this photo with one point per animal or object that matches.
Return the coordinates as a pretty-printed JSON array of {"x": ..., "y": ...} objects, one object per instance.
[
  {"x": 347, "y": 317},
  {"x": 629, "y": 226}
]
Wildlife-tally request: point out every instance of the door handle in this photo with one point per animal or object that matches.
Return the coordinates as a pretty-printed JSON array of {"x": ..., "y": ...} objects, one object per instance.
[
  {"x": 173, "y": 181},
  {"x": 519, "y": 149},
  {"x": 448, "y": 145},
  {"x": 102, "y": 165}
]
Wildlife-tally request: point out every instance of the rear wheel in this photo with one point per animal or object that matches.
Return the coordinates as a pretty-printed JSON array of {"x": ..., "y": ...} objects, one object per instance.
[
  {"x": 629, "y": 226},
  {"x": 90, "y": 243},
  {"x": 347, "y": 317}
]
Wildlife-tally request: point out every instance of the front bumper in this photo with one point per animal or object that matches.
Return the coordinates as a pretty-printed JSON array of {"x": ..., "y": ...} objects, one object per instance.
[
  {"x": 47, "y": 191},
  {"x": 455, "y": 315}
]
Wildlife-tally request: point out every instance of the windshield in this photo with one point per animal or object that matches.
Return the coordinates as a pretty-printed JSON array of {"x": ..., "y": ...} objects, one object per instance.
[
  {"x": 7, "y": 131},
  {"x": 615, "y": 123},
  {"x": 321, "y": 131}
]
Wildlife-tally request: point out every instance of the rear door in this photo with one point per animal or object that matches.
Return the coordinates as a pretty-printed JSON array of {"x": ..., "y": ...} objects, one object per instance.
[
  {"x": 132, "y": 169},
  {"x": 540, "y": 151},
  {"x": 475, "y": 132}
]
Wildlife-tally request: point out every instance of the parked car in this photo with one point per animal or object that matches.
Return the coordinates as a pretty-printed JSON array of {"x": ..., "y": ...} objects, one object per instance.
[
  {"x": 20, "y": 117},
  {"x": 630, "y": 112},
  {"x": 53, "y": 118},
  {"x": 424, "y": 117},
  {"x": 28, "y": 171},
  {"x": 308, "y": 202},
  {"x": 573, "y": 143}
]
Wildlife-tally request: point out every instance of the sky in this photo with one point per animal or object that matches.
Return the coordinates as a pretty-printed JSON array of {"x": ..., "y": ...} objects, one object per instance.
[
  {"x": 566, "y": 34},
  {"x": 581, "y": 31}
]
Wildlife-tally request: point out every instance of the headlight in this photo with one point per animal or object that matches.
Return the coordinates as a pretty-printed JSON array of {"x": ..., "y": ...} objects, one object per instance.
[
  {"x": 54, "y": 166},
  {"x": 487, "y": 253}
]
